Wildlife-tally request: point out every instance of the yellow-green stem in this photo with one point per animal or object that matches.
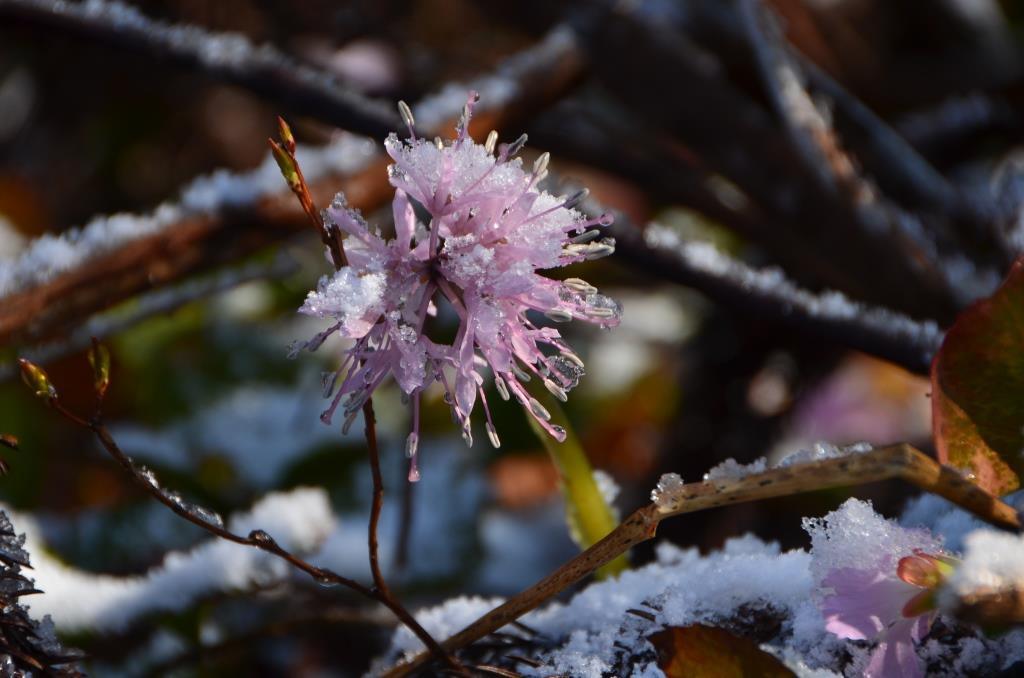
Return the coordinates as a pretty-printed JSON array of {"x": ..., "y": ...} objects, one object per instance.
[{"x": 589, "y": 515}]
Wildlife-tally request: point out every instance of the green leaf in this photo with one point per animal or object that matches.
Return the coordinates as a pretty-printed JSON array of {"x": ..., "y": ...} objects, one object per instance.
[
  {"x": 589, "y": 516},
  {"x": 700, "y": 651},
  {"x": 978, "y": 389}
]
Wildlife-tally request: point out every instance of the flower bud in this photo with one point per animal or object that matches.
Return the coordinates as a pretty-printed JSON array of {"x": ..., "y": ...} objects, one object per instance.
[
  {"x": 99, "y": 358},
  {"x": 36, "y": 379}
]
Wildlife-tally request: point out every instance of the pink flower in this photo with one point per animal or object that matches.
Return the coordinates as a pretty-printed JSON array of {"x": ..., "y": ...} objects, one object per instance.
[
  {"x": 892, "y": 603},
  {"x": 487, "y": 232}
]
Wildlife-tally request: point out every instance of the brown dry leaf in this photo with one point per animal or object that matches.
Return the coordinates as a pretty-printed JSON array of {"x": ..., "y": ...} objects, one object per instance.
[{"x": 700, "y": 651}]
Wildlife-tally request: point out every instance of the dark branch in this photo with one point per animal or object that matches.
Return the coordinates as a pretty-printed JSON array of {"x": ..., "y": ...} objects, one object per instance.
[
  {"x": 768, "y": 293},
  {"x": 227, "y": 57}
]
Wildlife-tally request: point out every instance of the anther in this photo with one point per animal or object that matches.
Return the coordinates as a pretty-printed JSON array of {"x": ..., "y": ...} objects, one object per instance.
[
  {"x": 559, "y": 315},
  {"x": 556, "y": 390},
  {"x": 493, "y": 435},
  {"x": 492, "y": 142},
  {"x": 576, "y": 198},
  {"x": 540, "y": 165},
  {"x": 499, "y": 384},
  {"x": 407, "y": 117},
  {"x": 585, "y": 237},
  {"x": 538, "y": 410}
]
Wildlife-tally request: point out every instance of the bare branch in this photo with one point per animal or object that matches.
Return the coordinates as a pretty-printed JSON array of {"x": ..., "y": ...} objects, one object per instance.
[{"x": 228, "y": 57}]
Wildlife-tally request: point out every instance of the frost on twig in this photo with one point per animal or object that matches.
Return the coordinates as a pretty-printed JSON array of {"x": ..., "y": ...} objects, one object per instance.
[
  {"x": 879, "y": 331},
  {"x": 230, "y": 57},
  {"x": 50, "y": 256}
]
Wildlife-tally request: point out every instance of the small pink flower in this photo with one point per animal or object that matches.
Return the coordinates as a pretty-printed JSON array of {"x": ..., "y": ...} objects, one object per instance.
[
  {"x": 487, "y": 233},
  {"x": 892, "y": 603}
]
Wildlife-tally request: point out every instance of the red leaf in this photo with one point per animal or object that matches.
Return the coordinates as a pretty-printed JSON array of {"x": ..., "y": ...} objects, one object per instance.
[
  {"x": 978, "y": 389},
  {"x": 700, "y": 651}
]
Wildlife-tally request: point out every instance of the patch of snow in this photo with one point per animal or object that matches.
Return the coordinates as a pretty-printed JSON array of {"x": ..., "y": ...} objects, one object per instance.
[
  {"x": 84, "y": 601},
  {"x": 993, "y": 561},
  {"x": 607, "y": 486}
]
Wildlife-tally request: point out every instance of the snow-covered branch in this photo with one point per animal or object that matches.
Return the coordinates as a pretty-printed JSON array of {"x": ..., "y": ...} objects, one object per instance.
[
  {"x": 60, "y": 280},
  {"x": 768, "y": 292},
  {"x": 229, "y": 57}
]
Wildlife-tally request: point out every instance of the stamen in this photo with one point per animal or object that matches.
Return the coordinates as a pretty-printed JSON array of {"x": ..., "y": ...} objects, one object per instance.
[
  {"x": 414, "y": 470},
  {"x": 556, "y": 390},
  {"x": 585, "y": 237},
  {"x": 492, "y": 141},
  {"x": 440, "y": 145},
  {"x": 499, "y": 384},
  {"x": 579, "y": 285},
  {"x": 462, "y": 127},
  {"x": 348, "y": 422},
  {"x": 538, "y": 410},
  {"x": 493, "y": 435},
  {"x": 523, "y": 376},
  {"x": 412, "y": 445},
  {"x": 510, "y": 150},
  {"x": 576, "y": 198},
  {"x": 572, "y": 357},
  {"x": 540, "y": 165},
  {"x": 407, "y": 118},
  {"x": 601, "y": 312},
  {"x": 559, "y": 315}
]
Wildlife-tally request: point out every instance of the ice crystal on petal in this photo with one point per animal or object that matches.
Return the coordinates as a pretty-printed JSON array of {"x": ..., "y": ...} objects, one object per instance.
[{"x": 489, "y": 232}]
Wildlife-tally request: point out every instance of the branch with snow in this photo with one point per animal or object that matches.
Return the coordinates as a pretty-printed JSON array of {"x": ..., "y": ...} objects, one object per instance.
[
  {"x": 768, "y": 292},
  {"x": 60, "y": 280},
  {"x": 673, "y": 497},
  {"x": 229, "y": 57}
]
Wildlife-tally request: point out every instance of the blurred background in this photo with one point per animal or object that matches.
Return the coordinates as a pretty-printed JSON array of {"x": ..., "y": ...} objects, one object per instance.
[{"x": 661, "y": 107}]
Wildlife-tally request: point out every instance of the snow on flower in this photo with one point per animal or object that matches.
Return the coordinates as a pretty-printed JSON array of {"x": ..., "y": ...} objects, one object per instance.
[
  {"x": 878, "y": 582},
  {"x": 488, "y": 230}
]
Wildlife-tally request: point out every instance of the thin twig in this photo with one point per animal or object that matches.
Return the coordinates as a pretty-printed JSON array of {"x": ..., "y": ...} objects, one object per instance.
[
  {"x": 896, "y": 461},
  {"x": 284, "y": 152},
  {"x": 194, "y": 514},
  {"x": 257, "y": 538}
]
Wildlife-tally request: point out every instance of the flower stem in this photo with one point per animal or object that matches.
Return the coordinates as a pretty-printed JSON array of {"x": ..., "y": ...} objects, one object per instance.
[{"x": 589, "y": 516}]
